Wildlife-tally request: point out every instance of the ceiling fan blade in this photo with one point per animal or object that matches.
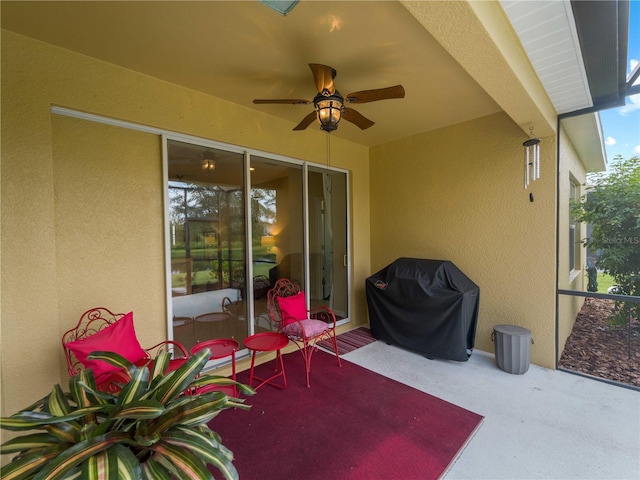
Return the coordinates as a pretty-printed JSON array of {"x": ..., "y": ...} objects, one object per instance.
[
  {"x": 357, "y": 118},
  {"x": 306, "y": 121},
  {"x": 292, "y": 101},
  {"x": 365, "y": 96},
  {"x": 323, "y": 76}
]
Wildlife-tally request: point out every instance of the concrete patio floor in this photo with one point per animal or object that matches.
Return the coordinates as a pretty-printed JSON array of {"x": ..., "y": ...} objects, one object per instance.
[{"x": 544, "y": 424}]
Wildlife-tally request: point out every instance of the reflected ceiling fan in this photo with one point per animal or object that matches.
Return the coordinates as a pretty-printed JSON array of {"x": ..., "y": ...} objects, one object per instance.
[{"x": 330, "y": 105}]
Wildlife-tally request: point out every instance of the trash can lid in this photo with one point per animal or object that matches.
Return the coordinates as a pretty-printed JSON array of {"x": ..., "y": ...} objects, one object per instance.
[{"x": 512, "y": 330}]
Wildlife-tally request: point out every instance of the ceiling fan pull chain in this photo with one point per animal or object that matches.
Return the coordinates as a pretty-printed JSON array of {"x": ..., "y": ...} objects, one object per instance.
[{"x": 328, "y": 151}]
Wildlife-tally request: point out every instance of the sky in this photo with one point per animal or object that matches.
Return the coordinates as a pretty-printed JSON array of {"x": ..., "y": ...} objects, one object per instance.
[{"x": 621, "y": 126}]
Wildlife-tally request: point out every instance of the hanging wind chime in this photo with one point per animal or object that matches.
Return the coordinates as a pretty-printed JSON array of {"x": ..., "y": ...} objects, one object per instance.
[{"x": 531, "y": 160}]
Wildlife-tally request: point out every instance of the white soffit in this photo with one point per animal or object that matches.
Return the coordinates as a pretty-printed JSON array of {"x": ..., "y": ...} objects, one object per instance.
[
  {"x": 585, "y": 133},
  {"x": 547, "y": 32},
  {"x": 548, "y": 35}
]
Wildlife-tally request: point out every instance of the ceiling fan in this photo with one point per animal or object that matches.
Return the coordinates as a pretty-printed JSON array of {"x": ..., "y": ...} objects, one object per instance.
[{"x": 330, "y": 105}]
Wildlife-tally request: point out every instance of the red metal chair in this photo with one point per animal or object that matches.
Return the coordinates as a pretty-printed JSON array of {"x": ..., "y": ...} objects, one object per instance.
[
  {"x": 98, "y": 329},
  {"x": 305, "y": 328}
]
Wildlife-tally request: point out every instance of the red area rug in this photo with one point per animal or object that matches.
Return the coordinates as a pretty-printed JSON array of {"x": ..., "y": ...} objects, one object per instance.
[
  {"x": 350, "y": 341},
  {"x": 352, "y": 424}
]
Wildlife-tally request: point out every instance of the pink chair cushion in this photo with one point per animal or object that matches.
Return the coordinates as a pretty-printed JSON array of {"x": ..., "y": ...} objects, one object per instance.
[
  {"x": 310, "y": 327},
  {"x": 120, "y": 337},
  {"x": 293, "y": 307}
]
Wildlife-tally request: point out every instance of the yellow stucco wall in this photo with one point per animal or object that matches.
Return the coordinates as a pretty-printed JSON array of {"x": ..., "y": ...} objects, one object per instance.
[
  {"x": 109, "y": 251},
  {"x": 58, "y": 259},
  {"x": 457, "y": 194},
  {"x": 570, "y": 167}
]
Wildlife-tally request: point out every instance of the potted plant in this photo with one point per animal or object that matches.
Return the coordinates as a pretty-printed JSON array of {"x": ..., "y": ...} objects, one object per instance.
[{"x": 154, "y": 427}]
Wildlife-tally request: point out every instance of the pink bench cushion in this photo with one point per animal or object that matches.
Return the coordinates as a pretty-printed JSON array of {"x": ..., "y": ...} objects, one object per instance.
[
  {"x": 293, "y": 308},
  {"x": 120, "y": 337}
]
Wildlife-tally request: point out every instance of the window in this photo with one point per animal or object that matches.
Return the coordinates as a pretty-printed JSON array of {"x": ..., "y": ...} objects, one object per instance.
[{"x": 574, "y": 229}]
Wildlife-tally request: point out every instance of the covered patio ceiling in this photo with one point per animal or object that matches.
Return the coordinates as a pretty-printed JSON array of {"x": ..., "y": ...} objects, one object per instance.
[{"x": 242, "y": 50}]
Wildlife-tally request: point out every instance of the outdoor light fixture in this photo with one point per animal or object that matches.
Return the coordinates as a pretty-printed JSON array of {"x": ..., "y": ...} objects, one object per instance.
[
  {"x": 531, "y": 160},
  {"x": 281, "y": 6},
  {"x": 329, "y": 110}
]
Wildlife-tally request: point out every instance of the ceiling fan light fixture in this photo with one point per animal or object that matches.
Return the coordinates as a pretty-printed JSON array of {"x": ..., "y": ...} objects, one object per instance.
[
  {"x": 281, "y": 6},
  {"x": 329, "y": 111},
  {"x": 329, "y": 105},
  {"x": 208, "y": 165}
]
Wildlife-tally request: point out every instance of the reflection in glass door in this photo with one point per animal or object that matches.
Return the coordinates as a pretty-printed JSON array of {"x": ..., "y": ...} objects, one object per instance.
[
  {"x": 207, "y": 243},
  {"x": 277, "y": 216},
  {"x": 328, "y": 272},
  {"x": 215, "y": 292}
]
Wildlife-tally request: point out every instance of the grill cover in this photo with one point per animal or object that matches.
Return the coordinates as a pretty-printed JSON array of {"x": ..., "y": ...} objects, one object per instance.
[{"x": 428, "y": 306}]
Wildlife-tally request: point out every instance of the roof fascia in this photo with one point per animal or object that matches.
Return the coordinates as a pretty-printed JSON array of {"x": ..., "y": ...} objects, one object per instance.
[{"x": 603, "y": 32}]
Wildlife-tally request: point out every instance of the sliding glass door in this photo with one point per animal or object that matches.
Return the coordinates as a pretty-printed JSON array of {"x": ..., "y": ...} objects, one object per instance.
[
  {"x": 277, "y": 216},
  {"x": 327, "y": 206},
  {"x": 238, "y": 222},
  {"x": 207, "y": 242}
]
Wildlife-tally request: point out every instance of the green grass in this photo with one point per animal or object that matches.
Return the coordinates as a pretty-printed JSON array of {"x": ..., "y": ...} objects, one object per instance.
[
  {"x": 604, "y": 282},
  {"x": 204, "y": 277}
]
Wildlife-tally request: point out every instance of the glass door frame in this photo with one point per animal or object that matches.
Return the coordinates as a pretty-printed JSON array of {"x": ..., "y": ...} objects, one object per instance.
[{"x": 247, "y": 153}]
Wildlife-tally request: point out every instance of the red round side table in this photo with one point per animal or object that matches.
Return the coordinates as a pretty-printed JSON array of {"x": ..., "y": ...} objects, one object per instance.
[
  {"x": 267, "y": 342},
  {"x": 220, "y": 348}
]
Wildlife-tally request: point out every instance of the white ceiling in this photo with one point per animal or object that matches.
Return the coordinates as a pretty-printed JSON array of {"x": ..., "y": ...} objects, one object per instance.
[{"x": 241, "y": 50}]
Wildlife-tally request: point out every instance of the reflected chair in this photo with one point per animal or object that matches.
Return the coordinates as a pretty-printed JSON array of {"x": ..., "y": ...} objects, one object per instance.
[
  {"x": 234, "y": 308},
  {"x": 261, "y": 286},
  {"x": 306, "y": 328},
  {"x": 99, "y": 329},
  {"x": 184, "y": 330},
  {"x": 261, "y": 318},
  {"x": 214, "y": 323},
  {"x": 237, "y": 310}
]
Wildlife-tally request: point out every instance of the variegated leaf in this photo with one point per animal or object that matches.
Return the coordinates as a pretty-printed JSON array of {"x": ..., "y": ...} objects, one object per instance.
[
  {"x": 96, "y": 467},
  {"x": 26, "y": 466},
  {"x": 160, "y": 364},
  {"x": 140, "y": 409},
  {"x": 187, "y": 464},
  {"x": 78, "y": 453},
  {"x": 112, "y": 358},
  {"x": 176, "y": 382},
  {"x": 205, "y": 380},
  {"x": 57, "y": 403},
  {"x": 136, "y": 387},
  {"x": 128, "y": 465},
  {"x": 79, "y": 387},
  {"x": 29, "y": 442},
  {"x": 202, "y": 446},
  {"x": 30, "y": 420},
  {"x": 200, "y": 410},
  {"x": 205, "y": 432},
  {"x": 157, "y": 468}
]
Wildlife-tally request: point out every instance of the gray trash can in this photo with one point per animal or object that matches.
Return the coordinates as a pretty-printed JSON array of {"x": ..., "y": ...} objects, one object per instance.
[{"x": 513, "y": 348}]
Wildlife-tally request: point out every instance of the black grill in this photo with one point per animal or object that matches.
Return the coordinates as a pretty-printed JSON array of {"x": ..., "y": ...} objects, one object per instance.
[{"x": 427, "y": 306}]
